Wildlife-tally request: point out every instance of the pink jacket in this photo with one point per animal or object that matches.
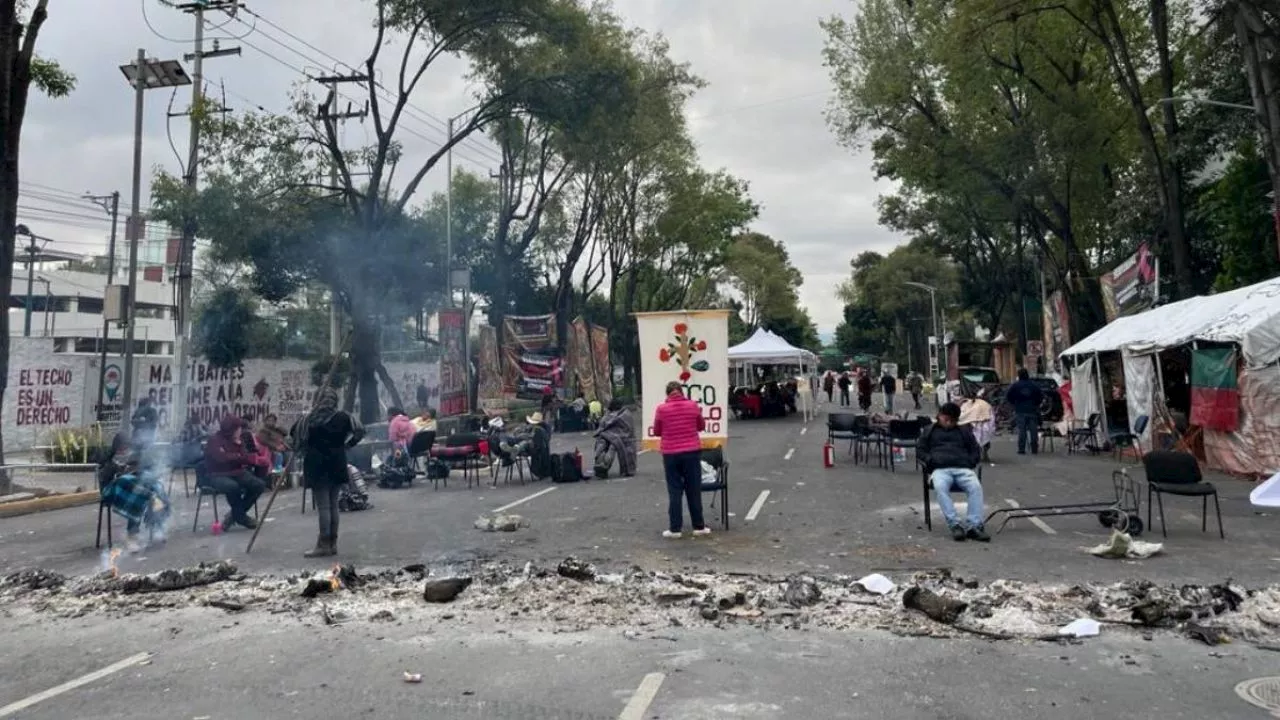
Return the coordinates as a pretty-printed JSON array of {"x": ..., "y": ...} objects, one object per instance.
[
  {"x": 678, "y": 422},
  {"x": 400, "y": 430}
]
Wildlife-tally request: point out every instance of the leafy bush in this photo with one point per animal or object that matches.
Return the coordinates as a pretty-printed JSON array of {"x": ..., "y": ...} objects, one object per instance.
[
  {"x": 219, "y": 333},
  {"x": 79, "y": 446}
]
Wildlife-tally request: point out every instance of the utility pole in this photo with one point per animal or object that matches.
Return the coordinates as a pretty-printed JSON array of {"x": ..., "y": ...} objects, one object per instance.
[
  {"x": 111, "y": 204},
  {"x": 32, "y": 251},
  {"x": 326, "y": 115},
  {"x": 186, "y": 248},
  {"x": 448, "y": 217}
]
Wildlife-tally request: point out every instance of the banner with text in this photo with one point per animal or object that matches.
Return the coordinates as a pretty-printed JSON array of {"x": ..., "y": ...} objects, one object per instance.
[
  {"x": 453, "y": 363},
  {"x": 1130, "y": 288},
  {"x": 690, "y": 347}
]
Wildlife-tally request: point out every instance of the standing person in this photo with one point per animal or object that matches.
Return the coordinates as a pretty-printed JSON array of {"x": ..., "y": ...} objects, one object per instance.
[
  {"x": 829, "y": 384},
  {"x": 323, "y": 437},
  {"x": 950, "y": 453},
  {"x": 145, "y": 422},
  {"x": 230, "y": 470},
  {"x": 864, "y": 390},
  {"x": 889, "y": 385},
  {"x": 845, "y": 382},
  {"x": 1025, "y": 396},
  {"x": 678, "y": 421},
  {"x": 915, "y": 386}
]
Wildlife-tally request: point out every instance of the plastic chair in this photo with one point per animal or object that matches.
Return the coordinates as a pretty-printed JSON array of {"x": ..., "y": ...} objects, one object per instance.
[
  {"x": 902, "y": 434},
  {"x": 927, "y": 481},
  {"x": 1177, "y": 473},
  {"x": 715, "y": 458},
  {"x": 1078, "y": 437},
  {"x": 842, "y": 426}
]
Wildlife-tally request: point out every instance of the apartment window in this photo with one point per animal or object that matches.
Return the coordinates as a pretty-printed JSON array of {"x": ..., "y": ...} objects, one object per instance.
[
  {"x": 155, "y": 312},
  {"x": 90, "y": 305}
]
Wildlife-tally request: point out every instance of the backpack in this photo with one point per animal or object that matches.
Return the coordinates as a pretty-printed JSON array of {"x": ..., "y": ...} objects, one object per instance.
[
  {"x": 395, "y": 476},
  {"x": 565, "y": 469}
]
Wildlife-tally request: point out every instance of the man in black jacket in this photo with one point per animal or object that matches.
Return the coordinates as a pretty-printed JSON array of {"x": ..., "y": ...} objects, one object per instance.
[
  {"x": 950, "y": 453},
  {"x": 1025, "y": 396}
]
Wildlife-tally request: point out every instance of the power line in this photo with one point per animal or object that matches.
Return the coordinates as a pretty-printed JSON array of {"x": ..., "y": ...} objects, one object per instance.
[{"x": 410, "y": 110}]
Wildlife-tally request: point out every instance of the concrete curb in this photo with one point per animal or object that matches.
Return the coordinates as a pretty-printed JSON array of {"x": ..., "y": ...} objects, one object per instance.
[{"x": 51, "y": 502}]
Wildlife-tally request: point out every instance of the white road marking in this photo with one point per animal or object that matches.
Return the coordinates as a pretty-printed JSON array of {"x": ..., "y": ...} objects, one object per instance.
[
  {"x": 757, "y": 505},
  {"x": 643, "y": 697},
  {"x": 804, "y": 430},
  {"x": 646, "y": 450},
  {"x": 1034, "y": 520},
  {"x": 523, "y": 500},
  {"x": 53, "y": 692},
  {"x": 790, "y": 452}
]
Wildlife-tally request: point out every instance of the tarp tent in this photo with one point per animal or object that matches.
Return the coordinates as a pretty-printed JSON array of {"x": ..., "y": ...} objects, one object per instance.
[
  {"x": 1248, "y": 318},
  {"x": 766, "y": 348}
]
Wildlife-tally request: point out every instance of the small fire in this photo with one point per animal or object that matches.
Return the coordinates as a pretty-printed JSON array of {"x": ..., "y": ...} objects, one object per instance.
[
  {"x": 111, "y": 562},
  {"x": 335, "y": 582}
]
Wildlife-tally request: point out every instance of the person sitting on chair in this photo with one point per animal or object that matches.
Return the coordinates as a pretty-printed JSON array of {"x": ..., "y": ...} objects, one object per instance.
[
  {"x": 425, "y": 421},
  {"x": 950, "y": 453},
  {"x": 977, "y": 415},
  {"x": 230, "y": 471},
  {"x": 400, "y": 429}
]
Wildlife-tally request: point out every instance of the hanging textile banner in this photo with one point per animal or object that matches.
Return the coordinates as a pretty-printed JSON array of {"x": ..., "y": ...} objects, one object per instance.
[
  {"x": 600, "y": 364},
  {"x": 453, "y": 363},
  {"x": 1141, "y": 391},
  {"x": 490, "y": 393},
  {"x": 1057, "y": 328},
  {"x": 1215, "y": 393},
  {"x": 532, "y": 360},
  {"x": 579, "y": 358},
  {"x": 1130, "y": 288},
  {"x": 690, "y": 347}
]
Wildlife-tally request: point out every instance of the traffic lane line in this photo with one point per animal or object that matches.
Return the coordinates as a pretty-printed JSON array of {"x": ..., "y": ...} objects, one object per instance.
[
  {"x": 790, "y": 452},
  {"x": 643, "y": 697},
  {"x": 525, "y": 499},
  {"x": 70, "y": 685},
  {"x": 757, "y": 506},
  {"x": 1034, "y": 520}
]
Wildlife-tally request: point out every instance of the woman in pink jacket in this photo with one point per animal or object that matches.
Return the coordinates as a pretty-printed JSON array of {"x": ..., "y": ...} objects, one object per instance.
[
  {"x": 678, "y": 421},
  {"x": 400, "y": 429}
]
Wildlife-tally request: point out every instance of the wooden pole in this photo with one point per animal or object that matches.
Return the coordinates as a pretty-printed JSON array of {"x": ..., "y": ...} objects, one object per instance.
[{"x": 275, "y": 489}]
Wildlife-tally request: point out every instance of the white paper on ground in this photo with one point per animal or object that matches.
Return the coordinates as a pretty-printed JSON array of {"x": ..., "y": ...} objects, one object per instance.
[
  {"x": 1083, "y": 627},
  {"x": 1122, "y": 545},
  {"x": 876, "y": 583}
]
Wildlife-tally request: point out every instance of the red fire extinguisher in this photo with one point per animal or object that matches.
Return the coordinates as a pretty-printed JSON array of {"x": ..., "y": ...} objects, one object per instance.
[{"x": 828, "y": 455}]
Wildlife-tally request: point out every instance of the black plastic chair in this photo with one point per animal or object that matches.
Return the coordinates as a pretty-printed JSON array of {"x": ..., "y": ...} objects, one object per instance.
[
  {"x": 927, "y": 481},
  {"x": 865, "y": 438},
  {"x": 842, "y": 426},
  {"x": 902, "y": 434},
  {"x": 1079, "y": 437},
  {"x": 1178, "y": 473},
  {"x": 420, "y": 446},
  {"x": 204, "y": 491},
  {"x": 716, "y": 459},
  {"x": 103, "y": 508},
  {"x": 1122, "y": 441}
]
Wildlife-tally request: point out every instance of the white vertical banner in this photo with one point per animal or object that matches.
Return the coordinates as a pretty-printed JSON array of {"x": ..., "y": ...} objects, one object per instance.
[{"x": 690, "y": 347}]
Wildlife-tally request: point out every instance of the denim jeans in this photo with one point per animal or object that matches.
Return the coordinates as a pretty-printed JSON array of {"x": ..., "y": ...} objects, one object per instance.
[
  {"x": 1028, "y": 426},
  {"x": 948, "y": 480},
  {"x": 888, "y": 402},
  {"x": 684, "y": 483}
]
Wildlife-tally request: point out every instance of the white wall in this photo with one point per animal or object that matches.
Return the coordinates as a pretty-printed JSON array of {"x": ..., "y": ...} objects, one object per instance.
[{"x": 52, "y": 391}]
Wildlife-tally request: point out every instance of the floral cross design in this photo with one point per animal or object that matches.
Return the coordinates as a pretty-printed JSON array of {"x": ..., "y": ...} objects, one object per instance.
[{"x": 683, "y": 349}]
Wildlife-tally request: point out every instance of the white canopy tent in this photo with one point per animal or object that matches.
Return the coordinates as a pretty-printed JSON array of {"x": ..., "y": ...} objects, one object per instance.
[
  {"x": 766, "y": 348},
  {"x": 1248, "y": 318}
]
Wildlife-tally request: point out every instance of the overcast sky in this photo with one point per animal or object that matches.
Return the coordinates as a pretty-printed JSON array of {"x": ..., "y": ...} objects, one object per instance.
[{"x": 760, "y": 117}]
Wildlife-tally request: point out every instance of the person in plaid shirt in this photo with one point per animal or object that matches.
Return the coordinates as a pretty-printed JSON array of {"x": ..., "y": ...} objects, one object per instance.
[{"x": 130, "y": 484}]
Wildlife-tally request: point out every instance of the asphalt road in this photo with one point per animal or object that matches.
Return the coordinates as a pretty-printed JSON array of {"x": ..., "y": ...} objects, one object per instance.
[{"x": 847, "y": 519}]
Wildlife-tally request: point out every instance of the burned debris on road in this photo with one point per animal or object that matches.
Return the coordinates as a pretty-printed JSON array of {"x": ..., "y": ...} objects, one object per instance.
[{"x": 575, "y": 596}]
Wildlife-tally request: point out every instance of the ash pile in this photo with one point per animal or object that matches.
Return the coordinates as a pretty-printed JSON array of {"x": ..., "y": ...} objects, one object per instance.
[{"x": 575, "y": 595}]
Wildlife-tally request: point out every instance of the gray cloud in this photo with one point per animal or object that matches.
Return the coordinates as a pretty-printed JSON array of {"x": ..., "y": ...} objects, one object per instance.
[{"x": 760, "y": 118}]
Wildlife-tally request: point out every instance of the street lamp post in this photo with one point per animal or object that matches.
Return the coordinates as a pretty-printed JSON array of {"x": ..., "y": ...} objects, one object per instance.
[
  {"x": 1271, "y": 163},
  {"x": 933, "y": 313},
  {"x": 143, "y": 74}
]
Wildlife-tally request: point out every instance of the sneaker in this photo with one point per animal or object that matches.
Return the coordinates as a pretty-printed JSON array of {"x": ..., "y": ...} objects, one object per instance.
[
  {"x": 669, "y": 534},
  {"x": 702, "y": 531},
  {"x": 978, "y": 533},
  {"x": 958, "y": 534},
  {"x": 247, "y": 522}
]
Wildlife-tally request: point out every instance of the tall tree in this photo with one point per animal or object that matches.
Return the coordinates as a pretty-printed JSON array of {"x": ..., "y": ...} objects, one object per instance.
[{"x": 20, "y": 68}]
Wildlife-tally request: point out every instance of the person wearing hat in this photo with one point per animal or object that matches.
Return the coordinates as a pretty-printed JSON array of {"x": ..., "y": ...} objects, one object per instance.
[{"x": 950, "y": 453}]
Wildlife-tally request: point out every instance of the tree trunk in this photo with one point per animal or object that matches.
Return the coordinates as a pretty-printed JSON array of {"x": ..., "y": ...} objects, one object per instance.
[
  {"x": 366, "y": 356},
  {"x": 1181, "y": 246},
  {"x": 385, "y": 378},
  {"x": 1262, "y": 87}
]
